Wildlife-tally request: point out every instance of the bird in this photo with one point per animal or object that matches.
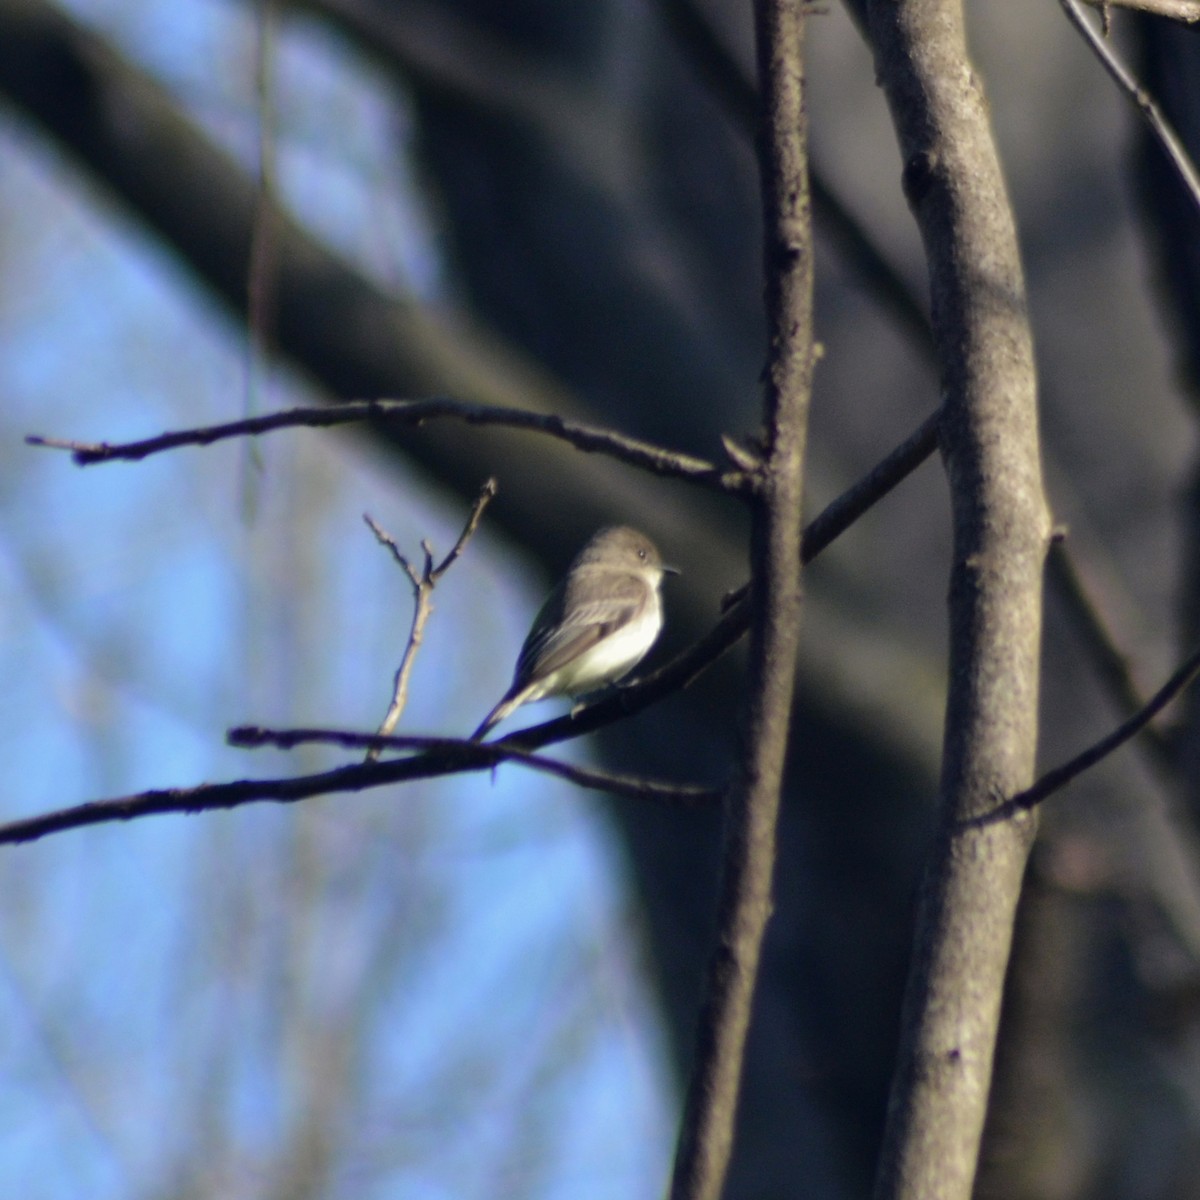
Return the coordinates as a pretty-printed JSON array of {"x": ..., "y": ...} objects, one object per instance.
[{"x": 594, "y": 627}]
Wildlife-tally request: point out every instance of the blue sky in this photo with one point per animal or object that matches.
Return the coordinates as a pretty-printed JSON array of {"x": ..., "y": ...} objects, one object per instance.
[{"x": 443, "y": 977}]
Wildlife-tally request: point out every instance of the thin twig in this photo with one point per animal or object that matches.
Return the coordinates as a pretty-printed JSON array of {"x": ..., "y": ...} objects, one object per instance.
[
  {"x": 1159, "y": 125},
  {"x": 589, "y": 438},
  {"x": 1053, "y": 780},
  {"x": 1186, "y": 11},
  {"x": 486, "y": 495},
  {"x": 619, "y": 784},
  {"x": 423, "y": 584}
]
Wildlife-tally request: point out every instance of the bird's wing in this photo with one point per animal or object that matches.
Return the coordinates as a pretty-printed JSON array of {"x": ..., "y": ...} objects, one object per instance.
[{"x": 551, "y": 645}]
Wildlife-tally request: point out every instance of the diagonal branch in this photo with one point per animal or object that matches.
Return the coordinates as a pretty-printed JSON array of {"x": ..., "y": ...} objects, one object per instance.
[
  {"x": 1187, "y": 11},
  {"x": 1160, "y": 127},
  {"x": 1058, "y": 777}
]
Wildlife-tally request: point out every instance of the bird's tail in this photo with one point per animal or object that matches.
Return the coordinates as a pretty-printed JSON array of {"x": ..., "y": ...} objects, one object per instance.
[{"x": 507, "y": 706}]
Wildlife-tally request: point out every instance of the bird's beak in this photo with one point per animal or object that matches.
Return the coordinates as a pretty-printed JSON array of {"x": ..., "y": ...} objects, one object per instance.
[{"x": 666, "y": 570}]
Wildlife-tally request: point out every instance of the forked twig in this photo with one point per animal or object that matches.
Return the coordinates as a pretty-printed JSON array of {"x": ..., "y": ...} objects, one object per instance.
[{"x": 423, "y": 583}]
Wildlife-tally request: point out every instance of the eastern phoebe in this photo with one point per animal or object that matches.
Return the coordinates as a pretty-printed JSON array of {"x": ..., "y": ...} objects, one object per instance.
[{"x": 594, "y": 627}]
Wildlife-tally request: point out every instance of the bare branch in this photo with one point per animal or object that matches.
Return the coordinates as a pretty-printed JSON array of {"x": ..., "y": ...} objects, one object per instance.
[
  {"x": 1160, "y": 127},
  {"x": 954, "y": 185},
  {"x": 617, "y": 783},
  {"x": 441, "y": 756},
  {"x": 486, "y": 495},
  {"x": 386, "y": 540},
  {"x": 422, "y": 585},
  {"x": 1187, "y": 11},
  {"x": 773, "y": 606},
  {"x": 841, "y": 512},
  {"x": 589, "y": 438},
  {"x": 1058, "y": 778}
]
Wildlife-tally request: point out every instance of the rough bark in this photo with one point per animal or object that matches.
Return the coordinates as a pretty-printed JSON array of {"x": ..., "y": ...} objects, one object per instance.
[{"x": 955, "y": 188}]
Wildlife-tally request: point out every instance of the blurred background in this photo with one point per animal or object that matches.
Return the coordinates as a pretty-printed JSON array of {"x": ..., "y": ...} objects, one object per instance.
[{"x": 488, "y": 987}]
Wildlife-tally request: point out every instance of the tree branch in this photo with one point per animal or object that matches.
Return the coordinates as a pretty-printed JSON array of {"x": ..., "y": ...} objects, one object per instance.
[
  {"x": 615, "y": 782},
  {"x": 628, "y": 700},
  {"x": 1187, "y": 11},
  {"x": 955, "y": 188},
  {"x": 441, "y": 756},
  {"x": 423, "y": 582},
  {"x": 748, "y": 863},
  {"x": 1160, "y": 127},
  {"x": 403, "y": 413},
  {"x": 1058, "y": 778}
]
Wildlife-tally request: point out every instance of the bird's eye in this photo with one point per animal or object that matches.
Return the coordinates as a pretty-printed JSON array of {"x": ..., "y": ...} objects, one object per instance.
[{"x": 641, "y": 554}]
